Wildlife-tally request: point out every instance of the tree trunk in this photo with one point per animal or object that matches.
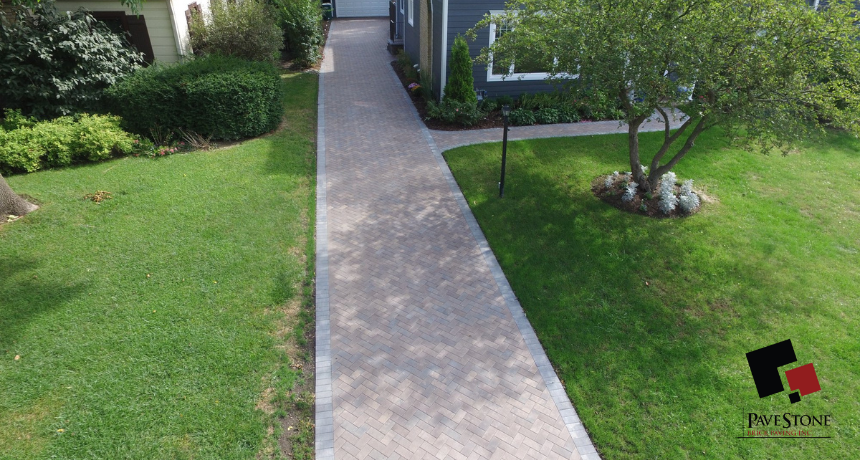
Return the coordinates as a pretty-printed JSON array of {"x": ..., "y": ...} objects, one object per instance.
[
  {"x": 11, "y": 203},
  {"x": 633, "y": 146}
]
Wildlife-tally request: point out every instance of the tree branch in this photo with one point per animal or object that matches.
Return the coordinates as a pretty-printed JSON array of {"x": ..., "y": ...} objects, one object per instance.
[
  {"x": 667, "y": 139},
  {"x": 700, "y": 126}
]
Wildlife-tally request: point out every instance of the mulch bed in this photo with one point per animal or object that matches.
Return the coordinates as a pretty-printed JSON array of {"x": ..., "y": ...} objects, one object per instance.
[
  {"x": 613, "y": 197},
  {"x": 492, "y": 120}
]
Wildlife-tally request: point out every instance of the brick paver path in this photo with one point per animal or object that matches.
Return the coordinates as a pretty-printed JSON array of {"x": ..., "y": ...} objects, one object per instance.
[
  {"x": 446, "y": 140},
  {"x": 422, "y": 348}
]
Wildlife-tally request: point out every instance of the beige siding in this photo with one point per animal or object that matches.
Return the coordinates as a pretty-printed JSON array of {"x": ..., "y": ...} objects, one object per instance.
[{"x": 158, "y": 23}]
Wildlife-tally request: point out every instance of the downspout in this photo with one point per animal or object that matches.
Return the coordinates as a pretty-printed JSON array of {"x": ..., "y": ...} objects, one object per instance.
[
  {"x": 180, "y": 50},
  {"x": 444, "y": 48}
]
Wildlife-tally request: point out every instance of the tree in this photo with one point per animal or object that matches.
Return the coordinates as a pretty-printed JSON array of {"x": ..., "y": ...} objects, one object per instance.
[
  {"x": 771, "y": 69},
  {"x": 134, "y": 5},
  {"x": 11, "y": 203},
  {"x": 461, "y": 85}
]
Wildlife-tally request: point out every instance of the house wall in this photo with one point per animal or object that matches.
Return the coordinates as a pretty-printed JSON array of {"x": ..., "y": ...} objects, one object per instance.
[
  {"x": 462, "y": 16},
  {"x": 437, "y": 48},
  {"x": 159, "y": 23},
  {"x": 412, "y": 34},
  {"x": 180, "y": 23}
]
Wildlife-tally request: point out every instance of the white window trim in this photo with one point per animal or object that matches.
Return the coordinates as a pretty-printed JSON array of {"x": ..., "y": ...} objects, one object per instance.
[
  {"x": 401, "y": 2},
  {"x": 411, "y": 12},
  {"x": 518, "y": 76},
  {"x": 535, "y": 76}
]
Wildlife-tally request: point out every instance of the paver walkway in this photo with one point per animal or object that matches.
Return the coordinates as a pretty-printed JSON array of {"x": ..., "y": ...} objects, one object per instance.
[
  {"x": 422, "y": 349},
  {"x": 446, "y": 140}
]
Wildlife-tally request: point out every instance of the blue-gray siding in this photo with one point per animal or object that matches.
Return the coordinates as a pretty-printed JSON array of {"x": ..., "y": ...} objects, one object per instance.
[{"x": 462, "y": 16}]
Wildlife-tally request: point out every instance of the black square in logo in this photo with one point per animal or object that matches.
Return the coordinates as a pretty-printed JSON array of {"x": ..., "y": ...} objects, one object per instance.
[{"x": 794, "y": 397}]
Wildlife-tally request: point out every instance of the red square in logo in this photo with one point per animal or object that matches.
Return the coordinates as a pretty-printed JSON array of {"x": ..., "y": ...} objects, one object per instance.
[{"x": 803, "y": 378}]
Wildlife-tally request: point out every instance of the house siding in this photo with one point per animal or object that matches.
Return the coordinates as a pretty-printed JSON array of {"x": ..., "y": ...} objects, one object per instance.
[
  {"x": 412, "y": 33},
  {"x": 159, "y": 23},
  {"x": 462, "y": 16},
  {"x": 438, "y": 47}
]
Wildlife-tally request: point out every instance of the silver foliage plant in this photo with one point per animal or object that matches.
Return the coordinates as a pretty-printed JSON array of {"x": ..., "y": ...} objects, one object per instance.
[
  {"x": 630, "y": 193},
  {"x": 668, "y": 200},
  {"x": 687, "y": 199},
  {"x": 610, "y": 180}
]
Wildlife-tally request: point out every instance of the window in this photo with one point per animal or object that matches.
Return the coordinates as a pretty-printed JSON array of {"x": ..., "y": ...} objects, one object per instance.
[
  {"x": 523, "y": 68},
  {"x": 411, "y": 11},
  {"x": 401, "y": 2},
  {"x": 132, "y": 25}
]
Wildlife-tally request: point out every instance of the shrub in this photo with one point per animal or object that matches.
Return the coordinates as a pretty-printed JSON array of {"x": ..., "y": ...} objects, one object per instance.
[
  {"x": 241, "y": 28},
  {"x": 567, "y": 114},
  {"x": 55, "y": 64},
  {"x": 609, "y": 182},
  {"x": 505, "y": 100},
  {"x": 668, "y": 200},
  {"x": 548, "y": 116},
  {"x": 301, "y": 24},
  {"x": 450, "y": 111},
  {"x": 30, "y": 145},
  {"x": 522, "y": 117},
  {"x": 629, "y": 192},
  {"x": 405, "y": 63},
  {"x": 539, "y": 101},
  {"x": 688, "y": 201},
  {"x": 461, "y": 85},
  {"x": 214, "y": 96},
  {"x": 488, "y": 105}
]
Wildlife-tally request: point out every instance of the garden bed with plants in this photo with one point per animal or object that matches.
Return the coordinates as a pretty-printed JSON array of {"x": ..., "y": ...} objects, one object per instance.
[
  {"x": 670, "y": 199},
  {"x": 528, "y": 109}
]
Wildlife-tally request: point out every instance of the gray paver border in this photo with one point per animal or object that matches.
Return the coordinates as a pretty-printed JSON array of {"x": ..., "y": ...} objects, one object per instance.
[
  {"x": 582, "y": 441},
  {"x": 324, "y": 417}
]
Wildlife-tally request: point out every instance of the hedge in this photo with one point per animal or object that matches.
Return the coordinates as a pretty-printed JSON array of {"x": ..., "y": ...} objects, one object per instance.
[{"x": 214, "y": 96}]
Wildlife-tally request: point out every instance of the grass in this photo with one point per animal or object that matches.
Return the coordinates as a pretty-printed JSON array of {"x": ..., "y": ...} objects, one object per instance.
[
  {"x": 169, "y": 320},
  {"x": 648, "y": 321}
]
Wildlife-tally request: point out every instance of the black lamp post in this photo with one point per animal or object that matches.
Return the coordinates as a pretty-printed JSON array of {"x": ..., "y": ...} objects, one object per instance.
[{"x": 506, "y": 110}]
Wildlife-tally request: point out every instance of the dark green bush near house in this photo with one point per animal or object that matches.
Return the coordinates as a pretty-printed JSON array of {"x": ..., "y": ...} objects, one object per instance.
[
  {"x": 246, "y": 29},
  {"x": 488, "y": 105},
  {"x": 567, "y": 114},
  {"x": 450, "y": 111},
  {"x": 300, "y": 21},
  {"x": 27, "y": 145},
  {"x": 522, "y": 117},
  {"x": 214, "y": 96},
  {"x": 505, "y": 100},
  {"x": 405, "y": 63},
  {"x": 54, "y": 64},
  {"x": 540, "y": 101},
  {"x": 548, "y": 116},
  {"x": 461, "y": 85}
]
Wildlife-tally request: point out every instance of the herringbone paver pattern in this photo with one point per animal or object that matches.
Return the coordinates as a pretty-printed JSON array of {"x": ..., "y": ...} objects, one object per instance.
[{"x": 427, "y": 360}]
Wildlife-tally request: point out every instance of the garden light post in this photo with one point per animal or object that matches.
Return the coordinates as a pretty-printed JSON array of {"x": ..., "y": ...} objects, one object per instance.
[{"x": 506, "y": 110}]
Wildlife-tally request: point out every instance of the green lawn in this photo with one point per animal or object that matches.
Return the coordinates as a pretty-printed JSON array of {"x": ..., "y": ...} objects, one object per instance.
[
  {"x": 648, "y": 320},
  {"x": 168, "y": 321}
]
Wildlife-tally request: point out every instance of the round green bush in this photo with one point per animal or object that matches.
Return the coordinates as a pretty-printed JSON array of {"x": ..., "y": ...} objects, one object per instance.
[{"x": 214, "y": 96}]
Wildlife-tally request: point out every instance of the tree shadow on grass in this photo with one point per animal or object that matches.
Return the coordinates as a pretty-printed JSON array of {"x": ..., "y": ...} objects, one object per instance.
[
  {"x": 634, "y": 312},
  {"x": 24, "y": 296}
]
